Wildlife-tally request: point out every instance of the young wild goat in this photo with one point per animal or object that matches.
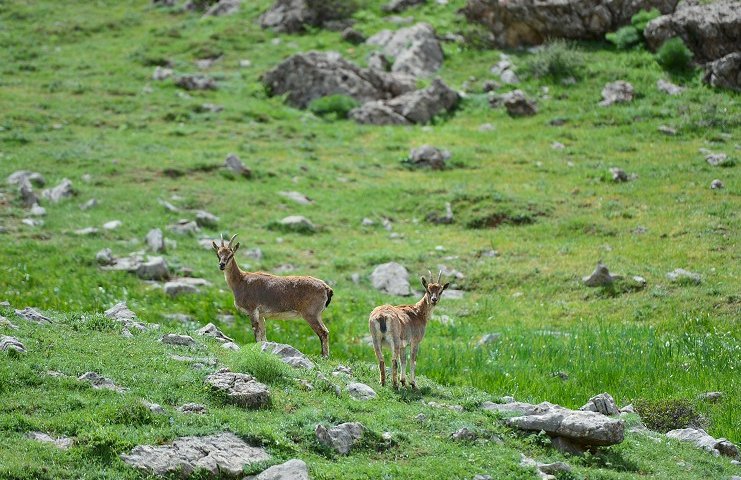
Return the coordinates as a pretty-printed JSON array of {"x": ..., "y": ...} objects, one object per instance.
[
  {"x": 402, "y": 326},
  {"x": 260, "y": 295}
]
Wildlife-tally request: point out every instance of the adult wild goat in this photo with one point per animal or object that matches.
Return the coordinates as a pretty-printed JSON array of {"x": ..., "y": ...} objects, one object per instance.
[
  {"x": 259, "y": 295},
  {"x": 402, "y": 326}
]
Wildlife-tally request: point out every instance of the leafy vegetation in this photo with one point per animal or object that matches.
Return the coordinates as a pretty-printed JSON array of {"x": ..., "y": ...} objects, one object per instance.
[
  {"x": 668, "y": 414},
  {"x": 333, "y": 106},
  {"x": 557, "y": 60},
  {"x": 674, "y": 56}
]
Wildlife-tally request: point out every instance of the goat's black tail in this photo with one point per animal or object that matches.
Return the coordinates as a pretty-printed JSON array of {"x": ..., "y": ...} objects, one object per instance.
[{"x": 330, "y": 292}]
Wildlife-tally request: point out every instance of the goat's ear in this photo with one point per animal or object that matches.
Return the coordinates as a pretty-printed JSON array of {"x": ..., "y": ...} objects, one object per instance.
[
  {"x": 445, "y": 286},
  {"x": 213, "y": 244},
  {"x": 236, "y": 247},
  {"x": 424, "y": 282}
]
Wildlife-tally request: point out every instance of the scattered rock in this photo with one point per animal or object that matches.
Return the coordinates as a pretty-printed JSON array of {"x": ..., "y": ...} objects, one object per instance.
[
  {"x": 505, "y": 69},
  {"x": 156, "y": 241},
  {"x": 240, "y": 389},
  {"x": 60, "y": 192},
  {"x": 162, "y": 73},
  {"x": 600, "y": 277},
  {"x": 20, "y": 177},
  {"x": 104, "y": 257},
  {"x": 342, "y": 370},
  {"x": 154, "y": 407},
  {"x": 701, "y": 439},
  {"x": 710, "y": 30},
  {"x": 518, "y": 105},
  {"x": 667, "y": 130},
  {"x": 196, "y": 82},
  {"x": 716, "y": 184},
  {"x": 428, "y": 156},
  {"x": 33, "y": 316},
  {"x": 340, "y": 438},
  {"x": 546, "y": 471},
  {"x": 288, "y": 354},
  {"x": 211, "y": 330},
  {"x": 206, "y": 220},
  {"x": 297, "y": 223},
  {"x": 182, "y": 286},
  {"x": 223, "y": 8},
  {"x": 353, "y": 36},
  {"x": 180, "y": 340},
  {"x": 184, "y": 227},
  {"x": 680, "y": 275},
  {"x": 307, "y": 76},
  {"x": 196, "y": 408},
  {"x": 361, "y": 391},
  {"x": 391, "y": 278},
  {"x": 112, "y": 225},
  {"x": 416, "y": 50},
  {"x": 619, "y": 175},
  {"x": 11, "y": 343},
  {"x": 522, "y": 22},
  {"x": 724, "y": 72},
  {"x": 445, "y": 219},
  {"x": 234, "y": 164},
  {"x": 717, "y": 159},
  {"x": 37, "y": 210},
  {"x": 487, "y": 339},
  {"x": 398, "y": 6},
  {"x": 291, "y": 470},
  {"x": 414, "y": 107},
  {"x": 220, "y": 454},
  {"x": 28, "y": 197},
  {"x": 297, "y": 197},
  {"x": 557, "y": 146},
  {"x": 99, "y": 382},
  {"x": 616, "y": 92},
  {"x": 668, "y": 87},
  {"x": 230, "y": 346},
  {"x": 87, "y": 231},
  {"x": 294, "y": 16},
  {"x": 464, "y": 434},
  {"x": 62, "y": 443},
  {"x": 712, "y": 397},
  {"x": 602, "y": 403},
  {"x": 155, "y": 268},
  {"x": 89, "y": 204},
  {"x": 120, "y": 312}
]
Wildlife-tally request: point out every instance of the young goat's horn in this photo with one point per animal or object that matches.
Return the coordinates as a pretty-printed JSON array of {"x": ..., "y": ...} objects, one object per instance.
[
  {"x": 439, "y": 275},
  {"x": 222, "y": 239},
  {"x": 430, "y": 272},
  {"x": 232, "y": 240}
]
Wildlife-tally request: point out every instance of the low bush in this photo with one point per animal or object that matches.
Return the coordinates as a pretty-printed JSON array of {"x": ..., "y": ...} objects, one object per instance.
[
  {"x": 669, "y": 414},
  {"x": 674, "y": 56},
  {"x": 558, "y": 59},
  {"x": 625, "y": 38},
  {"x": 333, "y": 106}
]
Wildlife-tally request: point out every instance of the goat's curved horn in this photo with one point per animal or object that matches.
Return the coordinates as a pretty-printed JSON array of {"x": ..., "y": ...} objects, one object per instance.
[
  {"x": 232, "y": 240},
  {"x": 222, "y": 239},
  {"x": 439, "y": 275},
  {"x": 430, "y": 272}
]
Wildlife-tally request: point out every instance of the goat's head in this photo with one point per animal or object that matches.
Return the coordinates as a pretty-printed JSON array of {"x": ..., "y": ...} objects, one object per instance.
[
  {"x": 434, "y": 289},
  {"x": 225, "y": 252}
]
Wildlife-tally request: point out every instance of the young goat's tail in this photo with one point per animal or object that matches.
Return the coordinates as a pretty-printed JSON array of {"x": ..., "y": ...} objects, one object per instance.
[{"x": 330, "y": 292}]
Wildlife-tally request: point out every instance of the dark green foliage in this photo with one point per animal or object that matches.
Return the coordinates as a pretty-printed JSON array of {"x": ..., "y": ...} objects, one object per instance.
[
  {"x": 333, "y": 106},
  {"x": 266, "y": 368},
  {"x": 668, "y": 414},
  {"x": 493, "y": 210},
  {"x": 625, "y": 38},
  {"x": 559, "y": 59},
  {"x": 674, "y": 56},
  {"x": 642, "y": 18},
  {"x": 332, "y": 9}
]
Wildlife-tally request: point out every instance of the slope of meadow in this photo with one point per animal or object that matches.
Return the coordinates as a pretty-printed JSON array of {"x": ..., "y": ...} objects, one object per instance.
[{"x": 78, "y": 102}]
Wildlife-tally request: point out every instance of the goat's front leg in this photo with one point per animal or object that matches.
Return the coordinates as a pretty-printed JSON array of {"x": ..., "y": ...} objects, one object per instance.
[
  {"x": 316, "y": 324},
  {"x": 396, "y": 351},
  {"x": 258, "y": 326},
  {"x": 413, "y": 365},
  {"x": 403, "y": 365}
]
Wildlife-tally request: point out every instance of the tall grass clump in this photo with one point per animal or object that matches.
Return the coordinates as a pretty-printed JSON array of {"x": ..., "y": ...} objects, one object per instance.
[
  {"x": 265, "y": 367},
  {"x": 557, "y": 60},
  {"x": 674, "y": 56},
  {"x": 669, "y": 414},
  {"x": 631, "y": 35},
  {"x": 333, "y": 106}
]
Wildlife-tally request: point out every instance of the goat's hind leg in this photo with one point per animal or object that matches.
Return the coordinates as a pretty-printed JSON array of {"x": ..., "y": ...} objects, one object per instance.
[
  {"x": 316, "y": 324},
  {"x": 377, "y": 347}
]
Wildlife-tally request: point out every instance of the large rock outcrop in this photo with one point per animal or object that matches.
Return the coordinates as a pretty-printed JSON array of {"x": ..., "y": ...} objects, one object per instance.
[
  {"x": 294, "y": 16},
  {"x": 531, "y": 22},
  {"x": 307, "y": 76},
  {"x": 414, "y": 107},
  {"x": 725, "y": 72},
  {"x": 711, "y": 30},
  {"x": 416, "y": 50}
]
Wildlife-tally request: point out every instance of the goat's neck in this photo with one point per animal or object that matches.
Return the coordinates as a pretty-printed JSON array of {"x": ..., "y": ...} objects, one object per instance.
[
  {"x": 232, "y": 273},
  {"x": 424, "y": 308}
]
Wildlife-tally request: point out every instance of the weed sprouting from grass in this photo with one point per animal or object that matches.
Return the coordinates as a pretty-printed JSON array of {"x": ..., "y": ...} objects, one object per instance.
[
  {"x": 557, "y": 60},
  {"x": 663, "y": 415},
  {"x": 333, "y": 106},
  {"x": 674, "y": 56},
  {"x": 266, "y": 368}
]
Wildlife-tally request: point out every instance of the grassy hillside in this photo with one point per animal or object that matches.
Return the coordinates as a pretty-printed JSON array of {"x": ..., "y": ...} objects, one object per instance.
[{"x": 78, "y": 100}]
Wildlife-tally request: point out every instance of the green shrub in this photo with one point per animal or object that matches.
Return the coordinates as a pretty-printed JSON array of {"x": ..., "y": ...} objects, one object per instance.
[
  {"x": 332, "y": 9},
  {"x": 668, "y": 414},
  {"x": 333, "y": 106},
  {"x": 625, "y": 38},
  {"x": 558, "y": 59},
  {"x": 265, "y": 367},
  {"x": 641, "y": 19},
  {"x": 674, "y": 56}
]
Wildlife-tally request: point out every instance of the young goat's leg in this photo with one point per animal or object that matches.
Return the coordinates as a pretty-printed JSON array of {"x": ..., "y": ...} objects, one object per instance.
[
  {"x": 258, "y": 326},
  {"x": 377, "y": 347},
  {"x": 395, "y": 345},
  {"x": 316, "y": 324},
  {"x": 403, "y": 351},
  {"x": 413, "y": 365}
]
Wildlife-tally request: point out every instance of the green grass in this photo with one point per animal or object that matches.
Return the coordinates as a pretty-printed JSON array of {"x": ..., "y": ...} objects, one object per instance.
[{"x": 77, "y": 98}]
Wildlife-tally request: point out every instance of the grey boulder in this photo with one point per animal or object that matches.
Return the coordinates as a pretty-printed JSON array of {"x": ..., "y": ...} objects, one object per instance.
[
  {"x": 60, "y": 192},
  {"x": 239, "y": 388},
  {"x": 20, "y": 177},
  {"x": 428, "y": 156},
  {"x": 419, "y": 106},
  {"x": 416, "y": 50},
  {"x": 222, "y": 454},
  {"x": 288, "y": 354},
  {"x": 340, "y": 438},
  {"x": 234, "y": 164},
  {"x": 11, "y": 343},
  {"x": 291, "y": 470},
  {"x": 211, "y": 330},
  {"x": 155, "y": 268},
  {"x": 156, "y": 240},
  {"x": 391, "y": 278},
  {"x": 725, "y": 72},
  {"x": 179, "y": 340},
  {"x": 62, "y": 443},
  {"x": 701, "y": 439},
  {"x": 99, "y": 382},
  {"x": 33, "y": 316},
  {"x": 361, "y": 391},
  {"x": 518, "y": 105},
  {"x": 602, "y": 403},
  {"x": 619, "y": 91}
]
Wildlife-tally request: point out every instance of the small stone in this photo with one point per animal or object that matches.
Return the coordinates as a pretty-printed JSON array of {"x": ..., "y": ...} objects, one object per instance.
[
  {"x": 680, "y": 275},
  {"x": 20, "y": 177},
  {"x": 712, "y": 397},
  {"x": 230, "y": 346},
  {"x": 168, "y": 206},
  {"x": 245, "y": 63},
  {"x": 361, "y": 391},
  {"x": 428, "y": 156},
  {"x": 616, "y": 92},
  {"x": 11, "y": 343},
  {"x": 37, "y": 210},
  {"x": 112, "y": 225},
  {"x": 288, "y": 355},
  {"x": 31, "y": 222},
  {"x": 89, "y": 204},
  {"x": 297, "y": 197},
  {"x": 602, "y": 403},
  {"x": 487, "y": 339},
  {"x": 717, "y": 159},
  {"x": 234, "y": 164},
  {"x": 211, "y": 330},
  {"x": 600, "y": 277},
  {"x": 353, "y": 36},
  {"x": 177, "y": 288},
  {"x": 87, "y": 231},
  {"x": 716, "y": 184},
  {"x": 668, "y": 87},
  {"x": 666, "y": 130},
  {"x": 153, "y": 407},
  {"x": 464, "y": 434},
  {"x": 420, "y": 417},
  {"x": 342, "y": 370},
  {"x": 161, "y": 73},
  {"x": 341, "y": 438},
  {"x": 196, "y": 82},
  {"x": 189, "y": 408},
  {"x": 104, "y": 257},
  {"x": 391, "y": 278},
  {"x": 62, "y": 443},
  {"x": 184, "y": 227},
  {"x": 618, "y": 175},
  {"x": 60, "y": 192},
  {"x": 156, "y": 240},
  {"x": 518, "y": 105},
  {"x": 297, "y": 223},
  {"x": 240, "y": 389},
  {"x": 291, "y": 470},
  {"x": 557, "y": 146},
  {"x": 98, "y": 382},
  {"x": 180, "y": 340},
  {"x": 33, "y": 316},
  {"x": 155, "y": 268},
  {"x": 206, "y": 220}
]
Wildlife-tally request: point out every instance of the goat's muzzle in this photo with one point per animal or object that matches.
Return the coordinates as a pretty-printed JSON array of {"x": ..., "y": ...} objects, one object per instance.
[{"x": 222, "y": 266}]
